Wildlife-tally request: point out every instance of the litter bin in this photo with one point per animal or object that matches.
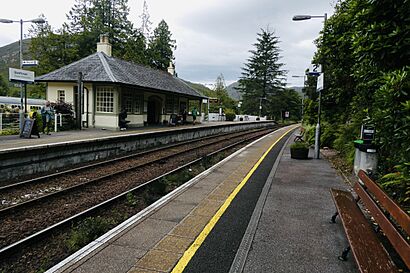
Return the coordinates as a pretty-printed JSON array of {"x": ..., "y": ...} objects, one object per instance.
[{"x": 366, "y": 152}]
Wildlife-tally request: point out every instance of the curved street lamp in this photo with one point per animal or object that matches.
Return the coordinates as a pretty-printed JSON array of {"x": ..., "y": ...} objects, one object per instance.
[{"x": 317, "y": 133}]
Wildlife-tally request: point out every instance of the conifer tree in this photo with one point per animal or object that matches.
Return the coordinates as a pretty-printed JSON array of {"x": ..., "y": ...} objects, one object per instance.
[
  {"x": 262, "y": 78},
  {"x": 161, "y": 46}
]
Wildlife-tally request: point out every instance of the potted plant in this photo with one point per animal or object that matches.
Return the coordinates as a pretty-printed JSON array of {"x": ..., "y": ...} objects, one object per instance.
[{"x": 299, "y": 150}]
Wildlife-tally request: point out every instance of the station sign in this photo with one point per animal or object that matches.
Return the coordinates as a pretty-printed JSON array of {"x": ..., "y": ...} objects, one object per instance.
[
  {"x": 320, "y": 80},
  {"x": 314, "y": 70},
  {"x": 30, "y": 63},
  {"x": 20, "y": 75}
]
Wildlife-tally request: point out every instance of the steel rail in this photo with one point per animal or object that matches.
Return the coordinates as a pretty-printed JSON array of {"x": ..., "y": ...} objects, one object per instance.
[
  {"x": 109, "y": 161},
  {"x": 14, "y": 247},
  {"x": 46, "y": 197}
]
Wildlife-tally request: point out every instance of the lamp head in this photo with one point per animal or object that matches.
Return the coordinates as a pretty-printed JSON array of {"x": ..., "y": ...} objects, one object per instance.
[
  {"x": 301, "y": 17},
  {"x": 6, "y": 21},
  {"x": 38, "y": 21}
]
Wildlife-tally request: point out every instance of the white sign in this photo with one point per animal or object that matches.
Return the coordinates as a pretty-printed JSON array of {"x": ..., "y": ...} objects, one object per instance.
[
  {"x": 314, "y": 70},
  {"x": 320, "y": 81},
  {"x": 30, "y": 63},
  {"x": 204, "y": 100},
  {"x": 19, "y": 75},
  {"x": 286, "y": 114}
]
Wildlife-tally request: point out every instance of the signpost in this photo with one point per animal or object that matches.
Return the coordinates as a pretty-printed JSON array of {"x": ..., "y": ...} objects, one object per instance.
[
  {"x": 314, "y": 70},
  {"x": 20, "y": 75},
  {"x": 320, "y": 80},
  {"x": 27, "y": 63}
]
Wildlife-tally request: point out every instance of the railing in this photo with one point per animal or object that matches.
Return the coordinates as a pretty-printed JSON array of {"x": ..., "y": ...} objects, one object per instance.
[{"x": 10, "y": 121}]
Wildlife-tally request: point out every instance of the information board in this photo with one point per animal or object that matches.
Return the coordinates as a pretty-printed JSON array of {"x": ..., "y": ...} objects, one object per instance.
[{"x": 27, "y": 127}]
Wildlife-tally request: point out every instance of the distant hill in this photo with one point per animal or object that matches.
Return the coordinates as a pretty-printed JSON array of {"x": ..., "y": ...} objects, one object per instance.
[
  {"x": 201, "y": 89},
  {"x": 232, "y": 92},
  {"x": 10, "y": 55}
]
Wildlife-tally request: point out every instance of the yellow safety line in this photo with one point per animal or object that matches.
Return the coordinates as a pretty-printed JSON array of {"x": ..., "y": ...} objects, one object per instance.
[{"x": 190, "y": 252}]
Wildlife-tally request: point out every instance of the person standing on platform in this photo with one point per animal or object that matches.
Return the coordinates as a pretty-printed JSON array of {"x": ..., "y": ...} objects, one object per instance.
[
  {"x": 47, "y": 116},
  {"x": 194, "y": 114},
  {"x": 34, "y": 130},
  {"x": 184, "y": 114}
]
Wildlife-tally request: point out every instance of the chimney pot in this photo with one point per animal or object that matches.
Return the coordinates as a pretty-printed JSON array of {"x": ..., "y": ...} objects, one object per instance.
[{"x": 104, "y": 45}]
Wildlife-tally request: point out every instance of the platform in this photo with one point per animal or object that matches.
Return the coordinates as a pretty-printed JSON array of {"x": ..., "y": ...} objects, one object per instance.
[{"x": 256, "y": 211}]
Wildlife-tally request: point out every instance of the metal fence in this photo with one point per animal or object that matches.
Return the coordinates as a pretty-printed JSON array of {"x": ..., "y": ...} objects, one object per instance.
[{"x": 10, "y": 121}]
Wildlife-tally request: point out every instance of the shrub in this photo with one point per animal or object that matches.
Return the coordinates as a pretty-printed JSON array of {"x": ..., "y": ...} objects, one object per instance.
[
  {"x": 230, "y": 115},
  {"x": 299, "y": 145},
  {"x": 8, "y": 132},
  {"x": 87, "y": 231}
]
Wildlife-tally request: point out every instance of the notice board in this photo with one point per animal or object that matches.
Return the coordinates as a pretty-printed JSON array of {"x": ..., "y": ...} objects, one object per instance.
[{"x": 27, "y": 127}]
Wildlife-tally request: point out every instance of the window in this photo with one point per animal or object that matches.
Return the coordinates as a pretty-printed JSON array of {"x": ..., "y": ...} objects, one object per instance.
[
  {"x": 61, "y": 95},
  {"x": 132, "y": 101},
  {"x": 138, "y": 101},
  {"x": 105, "y": 99},
  {"x": 169, "y": 104}
]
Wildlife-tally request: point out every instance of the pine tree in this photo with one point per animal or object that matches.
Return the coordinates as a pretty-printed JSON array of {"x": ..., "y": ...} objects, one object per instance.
[
  {"x": 88, "y": 19},
  {"x": 161, "y": 46},
  {"x": 262, "y": 78}
]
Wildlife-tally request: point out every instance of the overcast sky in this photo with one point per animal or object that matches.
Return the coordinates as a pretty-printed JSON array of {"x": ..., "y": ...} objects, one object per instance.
[{"x": 212, "y": 36}]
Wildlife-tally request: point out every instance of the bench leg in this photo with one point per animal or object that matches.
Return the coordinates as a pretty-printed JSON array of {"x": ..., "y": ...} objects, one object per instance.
[
  {"x": 345, "y": 252},
  {"x": 333, "y": 220}
]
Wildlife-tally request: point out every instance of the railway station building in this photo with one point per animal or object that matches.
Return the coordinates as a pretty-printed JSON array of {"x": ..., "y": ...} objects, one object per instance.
[{"x": 150, "y": 96}]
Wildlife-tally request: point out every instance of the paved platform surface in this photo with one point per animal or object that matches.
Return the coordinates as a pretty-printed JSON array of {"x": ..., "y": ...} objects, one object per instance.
[
  {"x": 288, "y": 231},
  {"x": 14, "y": 141}
]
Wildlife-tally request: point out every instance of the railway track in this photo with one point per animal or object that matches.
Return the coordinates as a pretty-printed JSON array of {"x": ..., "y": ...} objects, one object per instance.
[
  {"x": 20, "y": 192},
  {"x": 41, "y": 216}
]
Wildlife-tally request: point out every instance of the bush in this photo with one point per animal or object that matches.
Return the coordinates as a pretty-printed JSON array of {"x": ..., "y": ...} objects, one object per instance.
[
  {"x": 230, "y": 115},
  {"x": 299, "y": 145},
  {"x": 87, "y": 231},
  {"x": 8, "y": 132},
  {"x": 343, "y": 143}
]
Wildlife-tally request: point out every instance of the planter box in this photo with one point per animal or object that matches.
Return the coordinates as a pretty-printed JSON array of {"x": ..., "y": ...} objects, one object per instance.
[{"x": 299, "y": 153}]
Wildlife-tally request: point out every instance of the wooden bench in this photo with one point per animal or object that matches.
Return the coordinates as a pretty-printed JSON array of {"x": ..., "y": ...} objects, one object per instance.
[{"x": 368, "y": 251}]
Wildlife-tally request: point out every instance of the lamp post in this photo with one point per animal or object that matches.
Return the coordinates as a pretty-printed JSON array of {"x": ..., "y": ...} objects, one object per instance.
[
  {"x": 21, "y": 21},
  {"x": 317, "y": 133}
]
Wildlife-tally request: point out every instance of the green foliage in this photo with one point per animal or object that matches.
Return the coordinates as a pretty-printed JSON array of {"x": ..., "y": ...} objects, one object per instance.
[
  {"x": 309, "y": 135},
  {"x": 365, "y": 53},
  {"x": 87, "y": 231},
  {"x": 299, "y": 145},
  {"x": 131, "y": 200},
  {"x": 8, "y": 132},
  {"x": 391, "y": 117},
  {"x": 161, "y": 46},
  {"x": 4, "y": 87},
  {"x": 345, "y": 135},
  {"x": 230, "y": 115},
  {"x": 262, "y": 77},
  {"x": 87, "y": 20},
  {"x": 398, "y": 184}
]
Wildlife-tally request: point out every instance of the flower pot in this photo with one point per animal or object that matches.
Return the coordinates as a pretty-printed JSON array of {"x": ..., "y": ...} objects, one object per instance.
[{"x": 299, "y": 153}]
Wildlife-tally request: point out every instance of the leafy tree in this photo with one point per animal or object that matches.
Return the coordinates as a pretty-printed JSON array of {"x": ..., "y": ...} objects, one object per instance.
[
  {"x": 51, "y": 49},
  {"x": 365, "y": 50},
  {"x": 4, "y": 87},
  {"x": 262, "y": 77},
  {"x": 88, "y": 19},
  {"x": 225, "y": 101},
  {"x": 161, "y": 46}
]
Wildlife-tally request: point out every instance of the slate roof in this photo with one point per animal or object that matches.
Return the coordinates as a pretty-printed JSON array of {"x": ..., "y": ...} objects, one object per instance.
[{"x": 101, "y": 68}]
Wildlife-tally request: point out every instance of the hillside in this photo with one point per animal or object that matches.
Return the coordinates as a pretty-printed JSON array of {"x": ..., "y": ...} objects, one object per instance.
[
  {"x": 232, "y": 92},
  {"x": 9, "y": 56}
]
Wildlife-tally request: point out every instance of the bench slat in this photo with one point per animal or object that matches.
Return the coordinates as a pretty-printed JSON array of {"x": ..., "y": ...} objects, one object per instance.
[
  {"x": 398, "y": 242},
  {"x": 369, "y": 253},
  {"x": 402, "y": 218}
]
